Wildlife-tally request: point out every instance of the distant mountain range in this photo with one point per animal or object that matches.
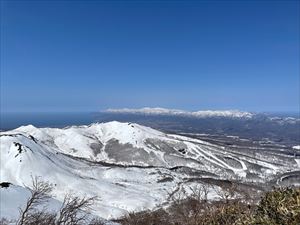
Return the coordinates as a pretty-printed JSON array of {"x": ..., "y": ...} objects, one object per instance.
[
  {"x": 255, "y": 126},
  {"x": 176, "y": 112}
]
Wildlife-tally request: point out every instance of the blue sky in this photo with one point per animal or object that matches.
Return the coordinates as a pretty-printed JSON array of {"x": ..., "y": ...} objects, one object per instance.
[{"x": 93, "y": 55}]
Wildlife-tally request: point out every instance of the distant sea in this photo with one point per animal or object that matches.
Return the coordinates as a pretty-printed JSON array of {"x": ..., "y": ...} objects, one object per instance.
[{"x": 10, "y": 121}]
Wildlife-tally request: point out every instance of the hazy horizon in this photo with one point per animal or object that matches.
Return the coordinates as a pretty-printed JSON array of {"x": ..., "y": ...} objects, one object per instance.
[{"x": 203, "y": 109}]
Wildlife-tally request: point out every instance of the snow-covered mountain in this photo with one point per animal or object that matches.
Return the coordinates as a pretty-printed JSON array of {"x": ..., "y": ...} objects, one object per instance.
[
  {"x": 177, "y": 112},
  {"x": 133, "y": 167}
]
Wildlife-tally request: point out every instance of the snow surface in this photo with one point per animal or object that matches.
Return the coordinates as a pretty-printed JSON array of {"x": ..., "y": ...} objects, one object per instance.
[
  {"x": 298, "y": 162},
  {"x": 121, "y": 190},
  {"x": 65, "y": 158},
  {"x": 297, "y": 147},
  {"x": 15, "y": 197}
]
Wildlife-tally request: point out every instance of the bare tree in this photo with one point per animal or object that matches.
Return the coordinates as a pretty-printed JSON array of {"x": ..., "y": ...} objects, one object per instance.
[
  {"x": 40, "y": 194},
  {"x": 200, "y": 192},
  {"x": 227, "y": 192},
  {"x": 74, "y": 210},
  {"x": 41, "y": 218}
]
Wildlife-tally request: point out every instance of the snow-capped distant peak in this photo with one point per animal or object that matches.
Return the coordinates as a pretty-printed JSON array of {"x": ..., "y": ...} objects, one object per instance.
[
  {"x": 200, "y": 114},
  {"x": 297, "y": 147}
]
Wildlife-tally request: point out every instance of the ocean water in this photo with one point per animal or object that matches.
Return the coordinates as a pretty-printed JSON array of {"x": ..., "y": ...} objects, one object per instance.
[{"x": 10, "y": 121}]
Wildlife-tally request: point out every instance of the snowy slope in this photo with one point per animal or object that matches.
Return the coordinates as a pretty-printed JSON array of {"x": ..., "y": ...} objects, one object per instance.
[
  {"x": 129, "y": 166},
  {"x": 70, "y": 175},
  {"x": 15, "y": 197}
]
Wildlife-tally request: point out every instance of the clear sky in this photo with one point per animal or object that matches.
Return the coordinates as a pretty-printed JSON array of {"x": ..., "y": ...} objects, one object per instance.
[{"x": 93, "y": 55}]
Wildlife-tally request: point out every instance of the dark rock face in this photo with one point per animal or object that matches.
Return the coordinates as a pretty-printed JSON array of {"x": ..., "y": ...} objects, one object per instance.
[
  {"x": 5, "y": 184},
  {"x": 96, "y": 147},
  {"x": 126, "y": 153}
]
